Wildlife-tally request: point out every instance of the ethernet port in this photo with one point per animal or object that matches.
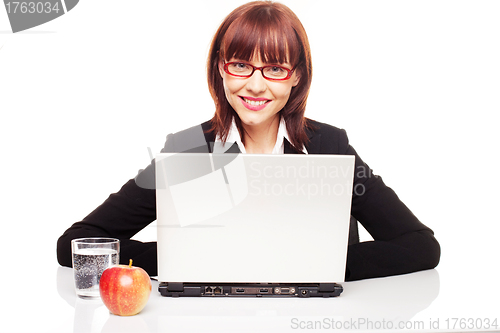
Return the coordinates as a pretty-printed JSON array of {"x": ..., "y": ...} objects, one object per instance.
[
  {"x": 208, "y": 290},
  {"x": 217, "y": 290}
]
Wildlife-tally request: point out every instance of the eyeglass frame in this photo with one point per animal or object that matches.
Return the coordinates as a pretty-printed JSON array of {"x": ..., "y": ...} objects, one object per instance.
[{"x": 254, "y": 68}]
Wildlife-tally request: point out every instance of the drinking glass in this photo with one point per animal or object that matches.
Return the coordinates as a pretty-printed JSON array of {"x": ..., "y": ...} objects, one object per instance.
[{"x": 91, "y": 256}]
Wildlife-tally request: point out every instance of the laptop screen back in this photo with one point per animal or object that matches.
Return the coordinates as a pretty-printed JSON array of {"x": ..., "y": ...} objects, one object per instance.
[{"x": 247, "y": 218}]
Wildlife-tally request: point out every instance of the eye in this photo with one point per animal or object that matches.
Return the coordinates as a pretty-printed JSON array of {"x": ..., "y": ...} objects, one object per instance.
[
  {"x": 276, "y": 72},
  {"x": 239, "y": 67},
  {"x": 276, "y": 69}
]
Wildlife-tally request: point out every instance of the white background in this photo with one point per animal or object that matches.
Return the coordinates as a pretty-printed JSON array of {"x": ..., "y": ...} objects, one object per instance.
[{"x": 415, "y": 84}]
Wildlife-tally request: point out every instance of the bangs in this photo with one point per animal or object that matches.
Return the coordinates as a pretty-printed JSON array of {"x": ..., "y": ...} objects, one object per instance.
[{"x": 262, "y": 33}]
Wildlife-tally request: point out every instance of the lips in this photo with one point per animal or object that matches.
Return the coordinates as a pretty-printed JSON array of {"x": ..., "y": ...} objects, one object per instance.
[{"x": 254, "y": 104}]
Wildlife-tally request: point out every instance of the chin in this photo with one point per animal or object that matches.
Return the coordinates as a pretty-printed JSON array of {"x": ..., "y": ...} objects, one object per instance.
[
  {"x": 255, "y": 120},
  {"x": 252, "y": 123}
]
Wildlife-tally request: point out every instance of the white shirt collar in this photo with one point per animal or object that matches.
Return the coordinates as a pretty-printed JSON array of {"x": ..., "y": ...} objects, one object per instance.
[{"x": 234, "y": 136}]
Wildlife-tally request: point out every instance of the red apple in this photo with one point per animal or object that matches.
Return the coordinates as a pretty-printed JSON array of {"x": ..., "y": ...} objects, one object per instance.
[{"x": 125, "y": 289}]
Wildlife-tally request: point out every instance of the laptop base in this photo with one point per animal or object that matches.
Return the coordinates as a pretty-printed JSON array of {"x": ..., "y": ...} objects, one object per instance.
[{"x": 176, "y": 289}]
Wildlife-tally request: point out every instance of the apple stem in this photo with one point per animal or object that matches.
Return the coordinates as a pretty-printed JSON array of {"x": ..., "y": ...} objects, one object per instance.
[{"x": 130, "y": 263}]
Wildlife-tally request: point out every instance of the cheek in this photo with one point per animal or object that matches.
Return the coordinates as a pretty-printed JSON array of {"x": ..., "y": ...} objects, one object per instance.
[
  {"x": 282, "y": 92},
  {"x": 227, "y": 92},
  {"x": 230, "y": 87}
]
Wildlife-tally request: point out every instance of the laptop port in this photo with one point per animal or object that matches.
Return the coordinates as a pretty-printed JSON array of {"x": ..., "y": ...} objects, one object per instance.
[
  {"x": 251, "y": 290},
  {"x": 217, "y": 290},
  {"x": 284, "y": 290},
  {"x": 208, "y": 290}
]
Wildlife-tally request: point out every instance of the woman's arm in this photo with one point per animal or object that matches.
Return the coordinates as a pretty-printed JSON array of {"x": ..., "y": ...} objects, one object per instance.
[
  {"x": 402, "y": 244},
  {"x": 132, "y": 208},
  {"x": 121, "y": 216}
]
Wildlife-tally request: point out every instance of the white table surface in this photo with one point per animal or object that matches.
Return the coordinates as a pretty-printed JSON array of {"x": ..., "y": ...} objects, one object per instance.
[{"x": 46, "y": 302}]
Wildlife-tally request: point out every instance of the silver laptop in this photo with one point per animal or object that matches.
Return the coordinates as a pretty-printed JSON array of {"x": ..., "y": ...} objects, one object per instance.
[{"x": 252, "y": 225}]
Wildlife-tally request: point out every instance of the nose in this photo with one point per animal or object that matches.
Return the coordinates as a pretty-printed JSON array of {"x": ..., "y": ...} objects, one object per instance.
[{"x": 256, "y": 83}]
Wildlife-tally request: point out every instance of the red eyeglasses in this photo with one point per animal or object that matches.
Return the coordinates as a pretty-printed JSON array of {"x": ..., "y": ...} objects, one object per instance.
[{"x": 271, "y": 72}]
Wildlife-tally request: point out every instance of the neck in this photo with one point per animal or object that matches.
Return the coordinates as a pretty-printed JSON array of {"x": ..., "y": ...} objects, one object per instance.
[{"x": 261, "y": 139}]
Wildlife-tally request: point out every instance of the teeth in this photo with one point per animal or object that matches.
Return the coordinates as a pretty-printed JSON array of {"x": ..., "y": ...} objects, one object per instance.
[{"x": 256, "y": 103}]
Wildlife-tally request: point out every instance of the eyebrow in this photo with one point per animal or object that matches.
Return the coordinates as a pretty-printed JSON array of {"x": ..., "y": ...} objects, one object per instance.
[{"x": 265, "y": 63}]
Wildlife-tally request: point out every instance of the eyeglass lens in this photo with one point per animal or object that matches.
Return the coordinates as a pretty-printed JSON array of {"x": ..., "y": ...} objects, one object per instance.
[{"x": 271, "y": 72}]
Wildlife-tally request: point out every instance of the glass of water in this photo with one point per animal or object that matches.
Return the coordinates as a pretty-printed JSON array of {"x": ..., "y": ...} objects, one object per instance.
[{"x": 91, "y": 256}]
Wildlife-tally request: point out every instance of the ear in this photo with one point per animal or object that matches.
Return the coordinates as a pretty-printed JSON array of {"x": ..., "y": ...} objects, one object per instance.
[
  {"x": 296, "y": 80},
  {"x": 221, "y": 68}
]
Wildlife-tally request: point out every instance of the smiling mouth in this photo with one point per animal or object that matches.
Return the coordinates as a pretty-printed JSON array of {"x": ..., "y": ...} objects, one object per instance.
[{"x": 255, "y": 102}]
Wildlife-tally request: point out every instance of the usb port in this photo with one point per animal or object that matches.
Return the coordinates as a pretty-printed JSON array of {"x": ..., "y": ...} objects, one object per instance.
[
  {"x": 264, "y": 291},
  {"x": 240, "y": 290}
]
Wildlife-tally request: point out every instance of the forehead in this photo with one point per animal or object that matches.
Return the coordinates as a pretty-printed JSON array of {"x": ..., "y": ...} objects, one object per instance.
[
  {"x": 261, "y": 39},
  {"x": 275, "y": 51}
]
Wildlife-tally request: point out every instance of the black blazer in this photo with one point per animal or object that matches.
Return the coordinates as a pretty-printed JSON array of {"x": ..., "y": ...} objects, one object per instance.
[{"x": 402, "y": 244}]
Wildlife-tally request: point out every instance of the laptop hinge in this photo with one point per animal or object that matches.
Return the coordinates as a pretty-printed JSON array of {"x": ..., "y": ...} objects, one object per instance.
[
  {"x": 326, "y": 287},
  {"x": 175, "y": 286}
]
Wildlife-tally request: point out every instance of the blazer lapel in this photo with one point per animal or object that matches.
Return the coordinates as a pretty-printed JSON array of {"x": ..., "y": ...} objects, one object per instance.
[
  {"x": 312, "y": 146},
  {"x": 234, "y": 149},
  {"x": 288, "y": 148}
]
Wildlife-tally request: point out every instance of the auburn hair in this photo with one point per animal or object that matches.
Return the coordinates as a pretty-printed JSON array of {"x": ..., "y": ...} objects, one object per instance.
[{"x": 273, "y": 32}]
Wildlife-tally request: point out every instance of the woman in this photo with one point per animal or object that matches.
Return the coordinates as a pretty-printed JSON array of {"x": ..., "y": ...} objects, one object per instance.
[{"x": 259, "y": 75}]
